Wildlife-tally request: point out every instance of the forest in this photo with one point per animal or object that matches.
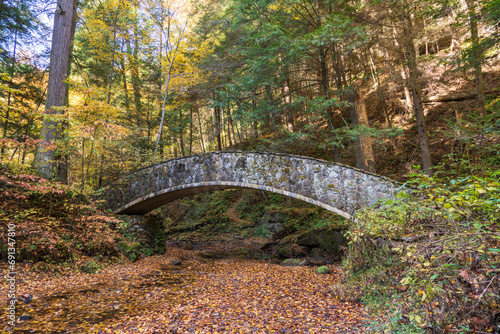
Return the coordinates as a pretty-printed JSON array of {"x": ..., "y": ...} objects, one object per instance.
[
  {"x": 408, "y": 89},
  {"x": 152, "y": 80}
]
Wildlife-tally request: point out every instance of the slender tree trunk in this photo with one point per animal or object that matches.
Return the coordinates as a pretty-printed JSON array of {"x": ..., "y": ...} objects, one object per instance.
[
  {"x": 409, "y": 103},
  {"x": 171, "y": 53},
  {"x": 181, "y": 130},
  {"x": 455, "y": 43},
  {"x": 238, "y": 132},
  {"x": 62, "y": 39},
  {"x": 363, "y": 145},
  {"x": 148, "y": 123},
  {"x": 134, "y": 69},
  {"x": 83, "y": 163},
  {"x": 9, "y": 96},
  {"x": 270, "y": 119},
  {"x": 223, "y": 128},
  {"x": 125, "y": 87},
  {"x": 200, "y": 127},
  {"x": 255, "y": 123},
  {"x": 288, "y": 107},
  {"x": 174, "y": 146},
  {"x": 338, "y": 67},
  {"x": 110, "y": 85},
  {"x": 191, "y": 130},
  {"x": 26, "y": 135},
  {"x": 324, "y": 85},
  {"x": 414, "y": 85},
  {"x": 218, "y": 127},
  {"x": 381, "y": 93},
  {"x": 477, "y": 56},
  {"x": 230, "y": 127}
]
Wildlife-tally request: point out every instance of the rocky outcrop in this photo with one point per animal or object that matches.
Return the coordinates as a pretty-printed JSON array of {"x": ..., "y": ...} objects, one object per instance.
[
  {"x": 328, "y": 240},
  {"x": 319, "y": 246}
]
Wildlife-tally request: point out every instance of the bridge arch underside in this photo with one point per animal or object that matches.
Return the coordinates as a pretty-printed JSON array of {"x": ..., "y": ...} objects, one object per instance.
[{"x": 152, "y": 201}]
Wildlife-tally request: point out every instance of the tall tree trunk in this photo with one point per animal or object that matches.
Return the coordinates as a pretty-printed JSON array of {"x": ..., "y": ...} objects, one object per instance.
[
  {"x": 110, "y": 85},
  {"x": 324, "y": 85},
  {"x": 190, "y": 130},
  {"x": 255, "y": 124},
  {"x": 218, "y": 127},
  {"x": 381, "y": 92},
  {"x": 363, "y": 145},
  {"x": 83, "y": 164},
  {"x": 174, "y": 146},
  {"x": 223, "y": 128},
  {"x": 409, "y": 102},
  {"x": 181, "y": 130},
  {"x": 171, "y": 49},
  {"x": 270, "y": 119},
  {"x": 414, "y": 85},
  {"x": 125, "y": 86},
  {"x": 477, "y": 56},
  {"x": 288, "y": 108},
  {"x": 230, "y": 127},
  {"x": 338, "y": 67},
  {"x": 200, "y": 126},
  {"x": 9, "y": 96},
  {"x": 62, "y": 39},
  {"x": 134, "y": 68}
]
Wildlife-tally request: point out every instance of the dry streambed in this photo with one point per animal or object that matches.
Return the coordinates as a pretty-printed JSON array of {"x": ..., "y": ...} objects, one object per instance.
[{"x": 198, "y": 296}]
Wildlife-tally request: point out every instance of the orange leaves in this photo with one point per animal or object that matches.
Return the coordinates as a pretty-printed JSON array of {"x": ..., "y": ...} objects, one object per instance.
[
  {"x": 251, "y": 296},
  {"x": 200, "y": 296}
]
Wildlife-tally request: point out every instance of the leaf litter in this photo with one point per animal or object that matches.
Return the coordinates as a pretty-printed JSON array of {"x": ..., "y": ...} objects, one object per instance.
[{"x": 229, "y": 295}]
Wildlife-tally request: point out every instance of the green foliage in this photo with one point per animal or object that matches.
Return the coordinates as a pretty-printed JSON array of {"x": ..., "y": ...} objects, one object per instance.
[
  {"x": 323, "y": 270},
  {"x": 262, "y": 230},
  {"x": 16, "y": 18},
  {"x": 131, "y": 250},
  {"x": 346, "y": 135},
  {"x": 156, "y": 228},
  {"x": 428, "y": 248},
  {"x": 91, "y": 267}
]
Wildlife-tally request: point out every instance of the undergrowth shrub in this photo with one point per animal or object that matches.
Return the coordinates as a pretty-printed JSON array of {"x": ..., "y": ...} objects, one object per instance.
[{"x": 435, "y": 253}]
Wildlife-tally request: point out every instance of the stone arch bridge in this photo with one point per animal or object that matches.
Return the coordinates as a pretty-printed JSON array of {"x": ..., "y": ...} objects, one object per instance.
[{"x": 335, "y": 187}]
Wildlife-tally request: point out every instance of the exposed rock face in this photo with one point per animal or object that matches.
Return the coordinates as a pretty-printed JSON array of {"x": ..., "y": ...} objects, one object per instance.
[
  {"x": 287, "y": 247},
  {"x": 329, "y": 240},
  {"x": 314, "y": 243},
  {"x": 338, "y": 188}
]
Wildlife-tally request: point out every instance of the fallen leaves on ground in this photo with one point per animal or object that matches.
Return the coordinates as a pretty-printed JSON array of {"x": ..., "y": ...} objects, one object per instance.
[{"x": 200, "y": 296}]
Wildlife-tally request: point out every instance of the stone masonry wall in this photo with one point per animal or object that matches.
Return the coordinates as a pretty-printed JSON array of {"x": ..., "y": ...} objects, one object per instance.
[
  {"x": 139, "y": 229},
  {"x": 338, "y": 188}
]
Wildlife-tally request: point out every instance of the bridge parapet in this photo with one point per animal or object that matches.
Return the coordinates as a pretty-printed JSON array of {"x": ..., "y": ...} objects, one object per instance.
[{"x": 338, "y": 188}]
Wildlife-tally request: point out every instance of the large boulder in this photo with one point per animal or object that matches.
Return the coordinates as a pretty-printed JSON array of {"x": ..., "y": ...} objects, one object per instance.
[
  {"x": 287, "y": 247},
  {"x": 329, "y": 240}
]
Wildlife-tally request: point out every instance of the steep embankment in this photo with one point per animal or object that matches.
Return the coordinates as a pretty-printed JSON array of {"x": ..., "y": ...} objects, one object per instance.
[{"x": 51, "y": 224}]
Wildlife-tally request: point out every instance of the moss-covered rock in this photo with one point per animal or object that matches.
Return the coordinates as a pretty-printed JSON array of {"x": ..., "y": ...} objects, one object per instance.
[
  {"x": 294, "y": 262},
  {"x": 329, "y": 240},
  {"x": 287, "y": 247},
  {"x": 323, "y": 270}
]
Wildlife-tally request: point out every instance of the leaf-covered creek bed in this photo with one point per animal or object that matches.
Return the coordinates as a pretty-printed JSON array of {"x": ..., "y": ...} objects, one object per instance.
[{"x": 198, "y": 296}]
